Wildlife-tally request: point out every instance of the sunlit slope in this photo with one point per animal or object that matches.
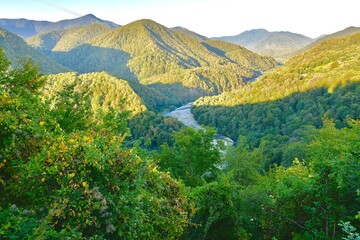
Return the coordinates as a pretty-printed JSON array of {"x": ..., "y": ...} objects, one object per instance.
[
  {"x": 240, "y": 55},
  {"x": 104, "y": 91},
  {"x": 190, "y": 34},
  {"x": 343, "y": 33},
  {"x": 66, "y": 40},
  {"x": 329, "y": 64}
]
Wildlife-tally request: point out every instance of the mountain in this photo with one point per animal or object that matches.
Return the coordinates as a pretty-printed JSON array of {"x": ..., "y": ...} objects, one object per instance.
[
  {"x": 104, "y": 91},
  {"x": 321, "y": 82},
  {"x": 343, "y": 33},
  {"x": 15, "y": 49},
  {"x": 66, "y": 40},
  {"x": 153, "y": 54},
  {"x": 240, "y": 55},
  {"x": 148, "y": 53},
  {"x": 279, "y": 45},
  {"x": 329, "y": 64},
  {"x": 190, "y": 34},
  {"x": 246, "y": 38},
  {"x": 27, "y": 28}
]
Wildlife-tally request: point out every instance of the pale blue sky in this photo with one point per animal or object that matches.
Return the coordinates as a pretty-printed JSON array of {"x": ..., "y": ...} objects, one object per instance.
[{"x": 207, "y": 17}]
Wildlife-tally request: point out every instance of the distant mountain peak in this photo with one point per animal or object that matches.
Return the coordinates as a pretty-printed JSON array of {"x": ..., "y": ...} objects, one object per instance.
[
  {"x": 28, "y": 28},
  {"x": 90, "y": 15},
  {"x": 279, "y": 44},
  {"x": 179, "y": 28},
  {"x": 145, "y": 22}
]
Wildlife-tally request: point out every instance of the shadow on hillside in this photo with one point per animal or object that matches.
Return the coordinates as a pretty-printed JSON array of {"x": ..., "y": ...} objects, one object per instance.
[
  {"x": 283, "y": 117},
  {"x": 216, "y": 51},
  {"x": 186, "y": 62},
  {"x": 157, "y": 97},
  {"x": 164, "y": 97},
  {"x": 86, "y": 58}
]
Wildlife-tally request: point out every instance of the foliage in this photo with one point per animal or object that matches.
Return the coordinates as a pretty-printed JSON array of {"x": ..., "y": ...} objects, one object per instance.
[
  {"x": 101, "y": 90},
  {"x": 276, "y": 111},
  {"x": 307, "y": 200},
  {"x": 65, "y": 40},
  {"x": 194, "y": 158},
  {"x": 16, "y": 49},
  {"x": 149, "y": 53},
  {"x": 151, "y": 130},
  {"x": 217, "y": 215},
  {"x": 77, "y": 182},
  {"x": 350, "y": 231}
]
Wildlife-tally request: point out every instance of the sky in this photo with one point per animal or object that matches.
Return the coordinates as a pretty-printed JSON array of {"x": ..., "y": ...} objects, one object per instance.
[{"x": 212, "y": 18}]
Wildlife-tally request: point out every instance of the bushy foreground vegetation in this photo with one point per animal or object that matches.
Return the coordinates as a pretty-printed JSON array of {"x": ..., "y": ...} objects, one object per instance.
[
  {"x": 59, "y": 180},
  {"x": 65, "y": 173}
]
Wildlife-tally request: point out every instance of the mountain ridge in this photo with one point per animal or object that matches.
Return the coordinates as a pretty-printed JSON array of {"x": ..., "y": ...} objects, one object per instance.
[
  {"x": 16, "y": 49},
  {"x": 28, "y": 28},
  {"x": 150, "y": 55},
  {"x": 190, "y": 33},
  {"x": 156, "y": 54},
  {"x": 279, "y": 44}
]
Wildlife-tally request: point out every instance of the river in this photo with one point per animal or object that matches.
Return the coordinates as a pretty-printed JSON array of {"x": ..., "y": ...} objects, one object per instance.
[{"x": 184, "y": 115}]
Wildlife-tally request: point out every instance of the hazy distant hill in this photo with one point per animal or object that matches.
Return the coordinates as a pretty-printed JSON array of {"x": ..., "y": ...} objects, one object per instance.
[
  {"x": 279, "y": 45},
  {"x": 66, "y": 40},
  {"x": 15, "y": 49},
  {"x": 27, "y": 28},
  {"x": 148, "y": 52},
  {"x": 190, "y": 34},
  {"x": 246, "y": 38}
]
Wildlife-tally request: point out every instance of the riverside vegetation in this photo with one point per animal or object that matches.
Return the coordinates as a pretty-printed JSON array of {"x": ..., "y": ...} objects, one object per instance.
[{"x": 89, "y": 155}]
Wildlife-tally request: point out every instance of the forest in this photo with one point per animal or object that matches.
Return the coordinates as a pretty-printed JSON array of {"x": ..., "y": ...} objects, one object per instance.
[{"x": 76, "y": 163}]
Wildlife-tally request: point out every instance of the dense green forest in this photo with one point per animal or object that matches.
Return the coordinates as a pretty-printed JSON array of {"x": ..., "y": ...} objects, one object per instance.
[
  {"x": 276, "y": 111},
  {"x": 66, "y": 40},
  {"x": 15, "y": 49},
  {"x": 165, "y": 67},
  {"x": 60, "y": 181},
  {"x": 75, "y": 163},
  {"x": 88, "y": 153}
]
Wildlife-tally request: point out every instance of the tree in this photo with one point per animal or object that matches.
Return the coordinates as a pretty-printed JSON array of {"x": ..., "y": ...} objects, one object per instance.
[
  {"x": 79, "y": 183},
  {"x": 193, "y": 158}
]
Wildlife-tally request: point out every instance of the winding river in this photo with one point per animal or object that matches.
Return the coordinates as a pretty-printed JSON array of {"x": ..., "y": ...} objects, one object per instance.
[{"x": 184, "y": 115}]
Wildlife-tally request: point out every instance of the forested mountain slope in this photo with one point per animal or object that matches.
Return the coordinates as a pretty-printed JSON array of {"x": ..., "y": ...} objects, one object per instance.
[
  {"x": 102, "y": 90},
  {"x": 190, "y": 34},
  {"x": 151, "y": 53},
  {"x": 343, "y": 33},
  {"x": 322, "y": 82},
  {"x": 163, "y": 66},
  {"x": 65, "y": 40},
  {"x": 16, "y": 49},
  {"x": 330, "y": 64}
]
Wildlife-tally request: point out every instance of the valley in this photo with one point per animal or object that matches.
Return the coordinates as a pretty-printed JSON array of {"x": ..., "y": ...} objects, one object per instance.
[
  {"x": 111, "y": 131},
  {"x": 184, "y": 115}
]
